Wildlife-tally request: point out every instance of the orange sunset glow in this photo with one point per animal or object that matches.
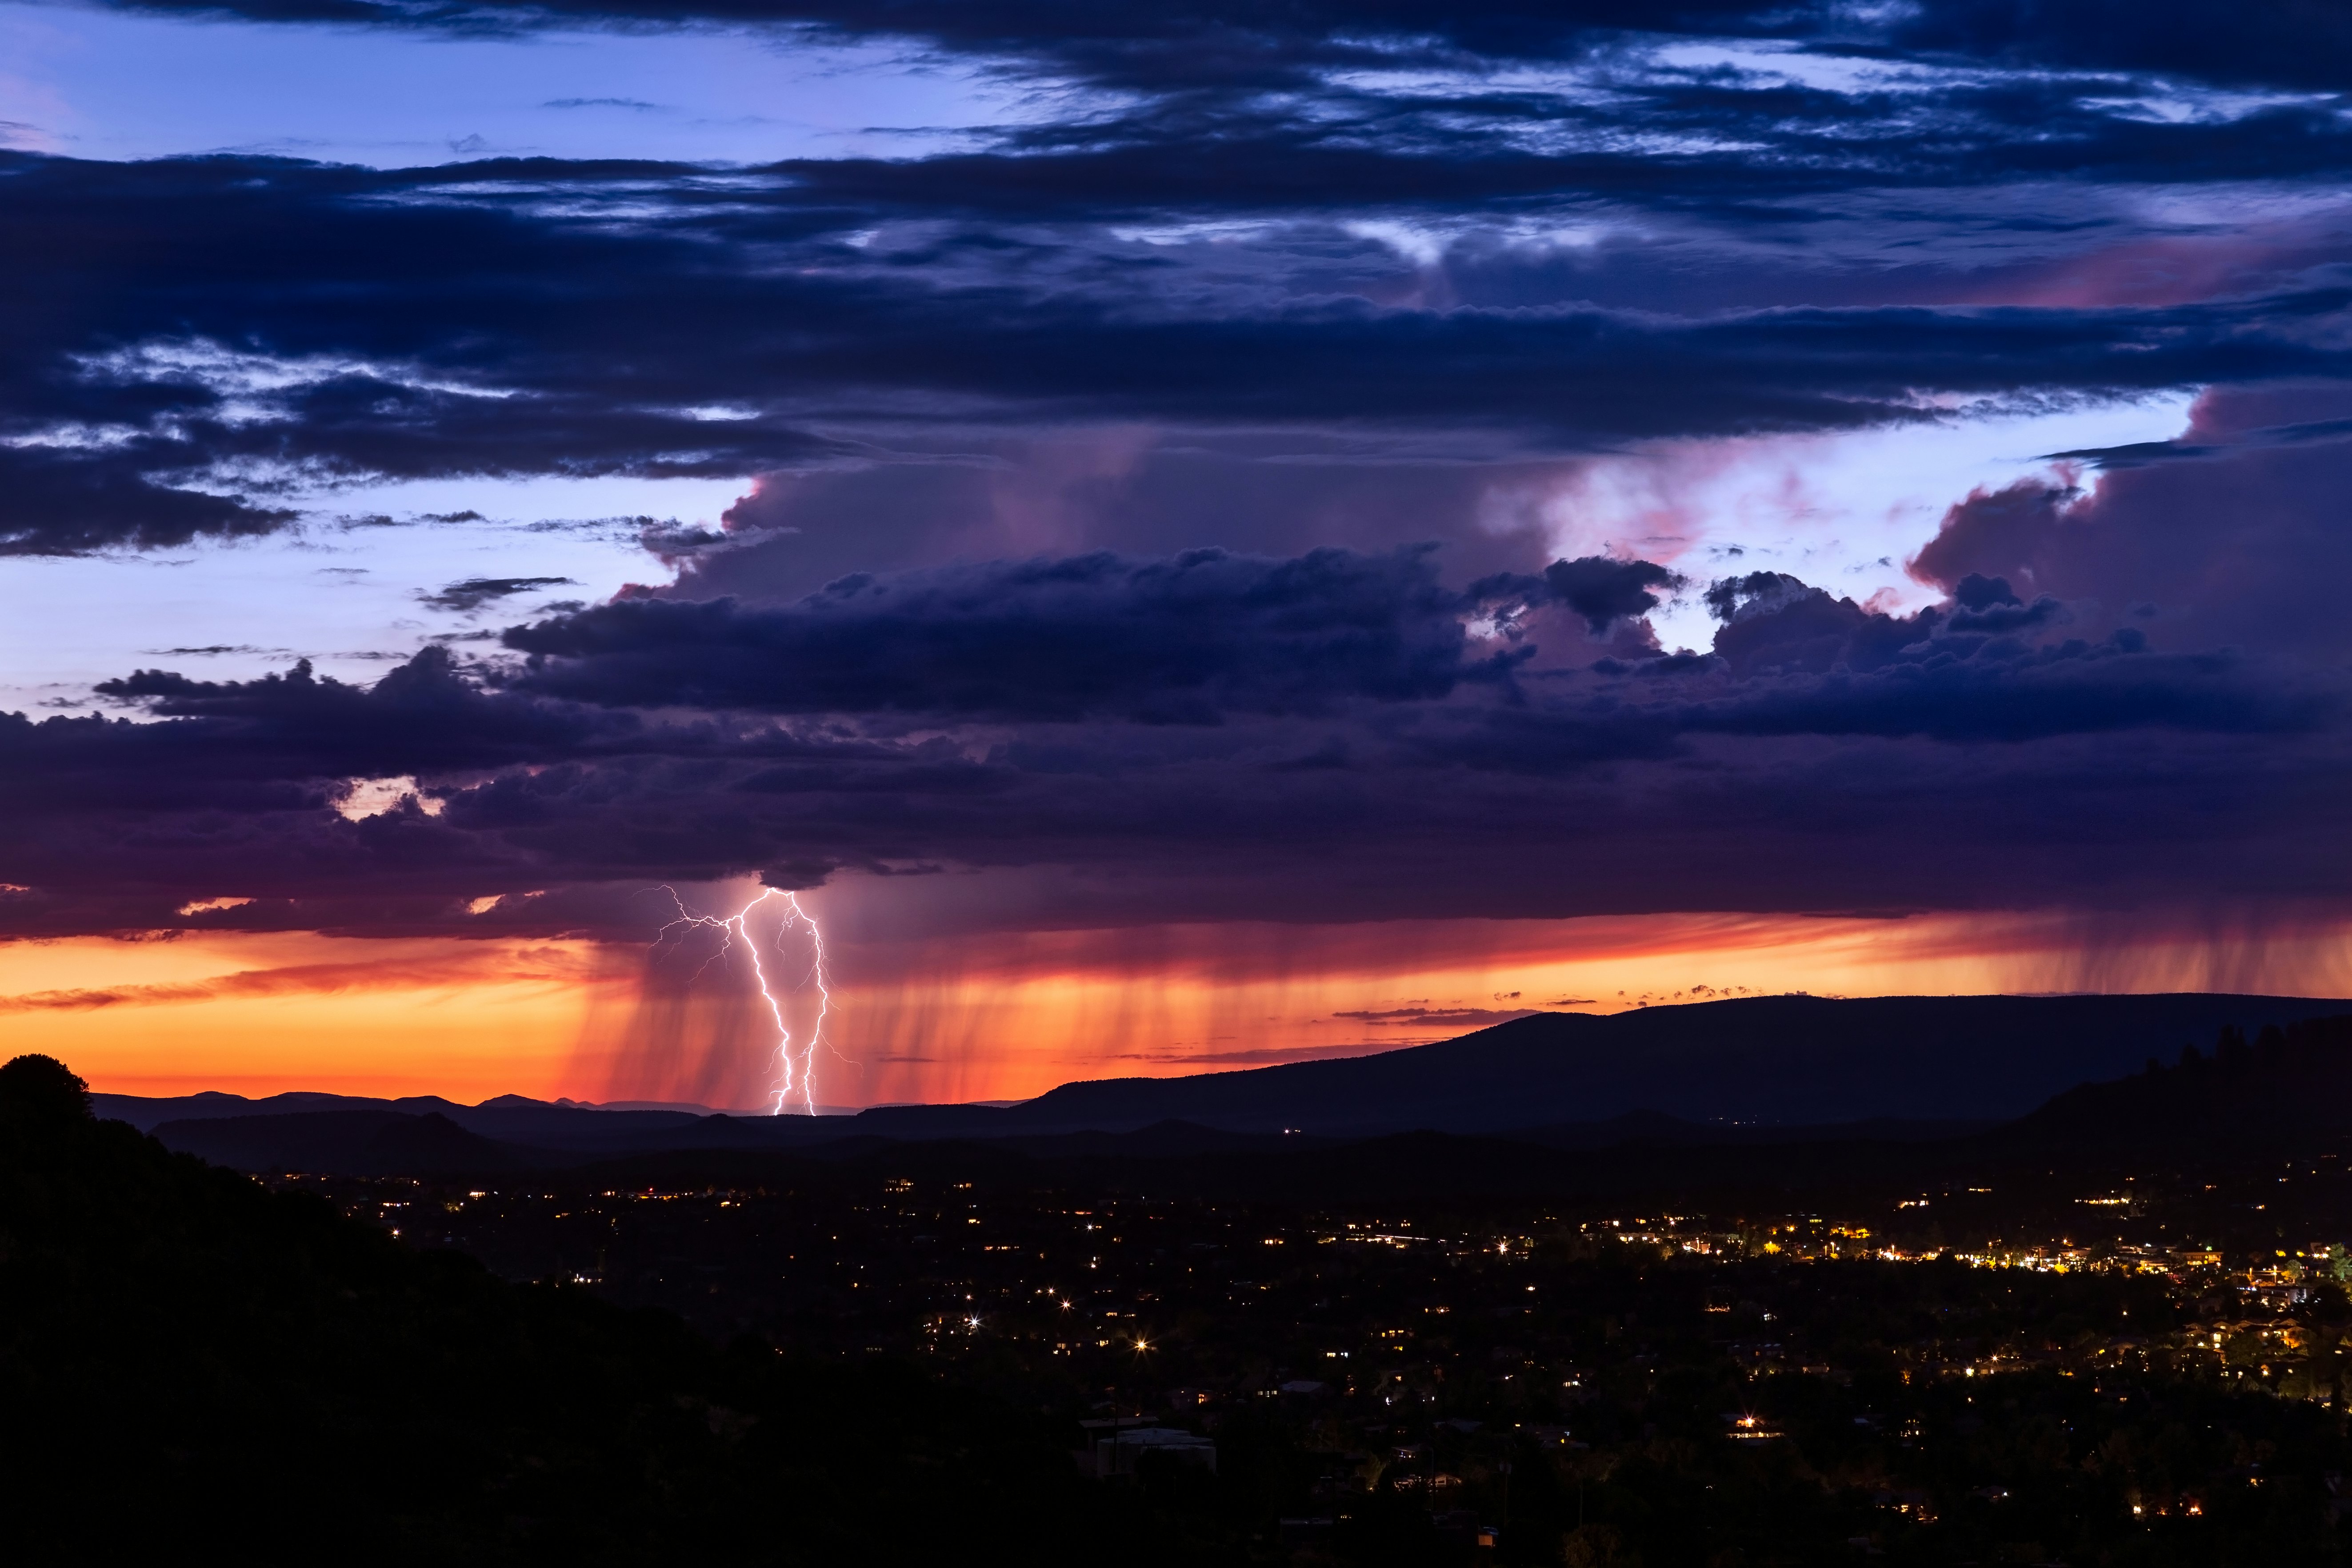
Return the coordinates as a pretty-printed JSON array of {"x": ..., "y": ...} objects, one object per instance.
[{"x": 1008, "y": 1017}]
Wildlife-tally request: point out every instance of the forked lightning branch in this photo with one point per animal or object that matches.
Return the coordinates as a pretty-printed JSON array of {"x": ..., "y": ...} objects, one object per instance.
[{"x": 795, "y": 1089}]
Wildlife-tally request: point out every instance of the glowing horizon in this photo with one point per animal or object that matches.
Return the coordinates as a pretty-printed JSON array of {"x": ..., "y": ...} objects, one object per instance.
[{"x": 1010, "y": 1015}]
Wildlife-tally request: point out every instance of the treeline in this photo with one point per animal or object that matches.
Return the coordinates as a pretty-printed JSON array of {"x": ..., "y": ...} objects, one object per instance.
[{"x": 2282, "y": 1092}]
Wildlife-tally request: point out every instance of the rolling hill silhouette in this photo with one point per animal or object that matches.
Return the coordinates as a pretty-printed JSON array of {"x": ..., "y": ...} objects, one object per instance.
[
  {"x": 1779, "y": 1070},
  {"x": 1789, "y": 1059}
]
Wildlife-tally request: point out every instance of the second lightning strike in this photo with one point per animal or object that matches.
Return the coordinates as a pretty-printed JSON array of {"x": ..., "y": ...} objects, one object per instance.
[{"x": 796, "y": 1071}]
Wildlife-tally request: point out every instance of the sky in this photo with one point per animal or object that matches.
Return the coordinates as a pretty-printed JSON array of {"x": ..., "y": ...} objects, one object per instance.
[{"x": 1182, "y": 537}]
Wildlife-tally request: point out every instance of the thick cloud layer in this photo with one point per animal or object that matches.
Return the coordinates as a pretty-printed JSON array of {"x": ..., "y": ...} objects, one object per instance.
[
  {"x": 1334, "y": 735},
  {"x": 1189, "y": 640},
  {"x": 1085, "y": 468},
  {"x": 1638, "y": 249},
  {"x": 2267, "y": 42}
]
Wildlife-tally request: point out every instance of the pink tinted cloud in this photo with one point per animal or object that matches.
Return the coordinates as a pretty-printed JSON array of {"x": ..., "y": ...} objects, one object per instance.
[
  {"x": 2156, "y": 271},
  {"x": 2231, "y": 537}
]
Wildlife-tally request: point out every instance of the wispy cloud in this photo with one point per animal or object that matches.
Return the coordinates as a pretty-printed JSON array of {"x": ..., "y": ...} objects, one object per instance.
[{"x": 494, "y": 965}]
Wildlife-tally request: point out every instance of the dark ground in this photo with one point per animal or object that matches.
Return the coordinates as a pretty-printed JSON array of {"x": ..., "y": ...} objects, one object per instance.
[{"x": 2110, "y": 1335}]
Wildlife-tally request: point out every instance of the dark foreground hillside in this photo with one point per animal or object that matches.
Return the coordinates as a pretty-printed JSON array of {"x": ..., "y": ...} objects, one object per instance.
[
  {"x": 2115, "y": 1333},
  {"x": 192, "y": 1365}
]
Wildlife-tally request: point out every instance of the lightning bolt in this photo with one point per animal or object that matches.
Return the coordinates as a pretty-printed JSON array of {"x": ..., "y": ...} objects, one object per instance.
[{"x": 795, "y": 1068}]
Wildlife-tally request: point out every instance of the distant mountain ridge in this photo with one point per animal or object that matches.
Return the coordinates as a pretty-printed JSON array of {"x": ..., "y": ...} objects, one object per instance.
[
  {"x": 1762, "y": 1071},
  {"x": 508, "y": 1116},
  {"x": 1801, "y": 1060},
  {"x": 347, "y": 1143}
]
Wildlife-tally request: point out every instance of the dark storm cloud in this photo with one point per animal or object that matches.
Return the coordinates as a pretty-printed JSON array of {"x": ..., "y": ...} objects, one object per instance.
[
  {"x": 2274, "y": 43},
  {"x": 1986, "y": 667},
  {"x": 1185, "y": 832},
  {"x": 300, "y": 726},
  {"x": 108, "y": 821},
  {"x": 408, "y": 329},
  {"x": 1604, "y": 592},
  {"x": 59, "y": 501},
  {"x": 1820, "y": 668},
  {"x": 1201, "y": 31},
  {"x": 347, "y": 424},
  {"x": 1353, "y": 736},
  {"x": 1452, "y": 151},
  {"x": 1186, "y": 640},
  {"x": 1148, "y": 494},
  {"x": 2302, "y": 43},
  {"x": 196, "y": 340},
  {"x": 1994, "y": 692},
  {"x": 474, "y": 593},
  {"x": 1209, "y": 635}
]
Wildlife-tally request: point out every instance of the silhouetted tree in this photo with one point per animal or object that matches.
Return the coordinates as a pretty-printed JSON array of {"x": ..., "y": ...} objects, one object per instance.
[{"x": 42, "y": 1091}]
